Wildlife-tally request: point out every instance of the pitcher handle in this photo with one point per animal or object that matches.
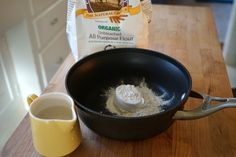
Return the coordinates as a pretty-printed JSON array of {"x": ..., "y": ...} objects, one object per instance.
[
  {"x": 31, "y": 98},
  {"x": 206, "y": 108}
]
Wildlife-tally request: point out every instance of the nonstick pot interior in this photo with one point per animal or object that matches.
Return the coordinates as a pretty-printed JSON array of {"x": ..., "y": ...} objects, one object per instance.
[{"x": 89, "y": 79}]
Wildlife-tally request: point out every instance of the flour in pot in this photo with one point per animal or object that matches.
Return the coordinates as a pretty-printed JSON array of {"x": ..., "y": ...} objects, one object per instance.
[{"x": 134, "y": 101}]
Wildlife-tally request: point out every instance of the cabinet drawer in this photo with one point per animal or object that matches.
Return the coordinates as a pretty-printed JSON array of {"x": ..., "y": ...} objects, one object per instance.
[
  {"x": 53, "y": 56},
  {"x": 48, "y": 25},
  {"x": 40, "y": 5}
]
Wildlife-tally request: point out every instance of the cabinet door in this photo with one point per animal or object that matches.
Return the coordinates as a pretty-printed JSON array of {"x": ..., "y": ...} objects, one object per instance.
[
  {"x": 48, "y": 24},
  {"x": 39, "y": 5},
  {"x": 53, "y": 56}
]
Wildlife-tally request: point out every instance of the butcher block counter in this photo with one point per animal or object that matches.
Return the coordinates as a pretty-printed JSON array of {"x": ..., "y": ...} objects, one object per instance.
[{"x": 189, "y": 35}]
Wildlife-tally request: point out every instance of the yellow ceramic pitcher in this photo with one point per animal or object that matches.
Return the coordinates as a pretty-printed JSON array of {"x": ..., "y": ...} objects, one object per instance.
[{"x": 54, "y": 124}]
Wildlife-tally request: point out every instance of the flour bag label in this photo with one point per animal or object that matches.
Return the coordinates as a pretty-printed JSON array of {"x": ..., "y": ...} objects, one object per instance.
[{"x": 94, "y": 24}]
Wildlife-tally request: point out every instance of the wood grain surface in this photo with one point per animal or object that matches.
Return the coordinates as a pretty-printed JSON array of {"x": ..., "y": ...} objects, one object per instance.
[{"x": 189, "y": 35}]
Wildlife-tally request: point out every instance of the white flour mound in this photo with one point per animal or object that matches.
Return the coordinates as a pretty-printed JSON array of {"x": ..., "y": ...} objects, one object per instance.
[{"x": 152, "y": 103}]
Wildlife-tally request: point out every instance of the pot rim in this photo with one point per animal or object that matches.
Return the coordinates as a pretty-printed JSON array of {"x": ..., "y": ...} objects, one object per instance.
[{"x": 152, "y": 52}]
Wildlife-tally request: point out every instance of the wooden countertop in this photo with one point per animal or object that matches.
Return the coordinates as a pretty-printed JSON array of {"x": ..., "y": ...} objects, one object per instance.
[{"x": 189, "y": 35}]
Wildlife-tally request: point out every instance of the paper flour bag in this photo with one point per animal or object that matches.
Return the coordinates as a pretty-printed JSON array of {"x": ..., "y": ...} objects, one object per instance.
[{"x": 93, "y": 25}]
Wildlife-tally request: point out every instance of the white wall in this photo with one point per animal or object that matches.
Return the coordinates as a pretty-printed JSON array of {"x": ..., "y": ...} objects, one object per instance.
[
  {"x": 230, "y": 48},
  {"x": 23, "y": 60}
]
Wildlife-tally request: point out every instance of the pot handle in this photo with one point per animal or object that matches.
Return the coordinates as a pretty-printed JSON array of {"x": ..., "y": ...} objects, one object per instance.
[{"x": 206, "y": 108}]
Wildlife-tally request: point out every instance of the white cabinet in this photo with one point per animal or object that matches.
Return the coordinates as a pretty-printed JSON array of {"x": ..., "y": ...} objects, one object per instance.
[
  {"x": 40, "y": 28},
  {"x": 40, "y": 5},
  {"x": 48, "y": 23},
  {"x": 52, "y": 56},
  {"x": 33, "y": 45}
]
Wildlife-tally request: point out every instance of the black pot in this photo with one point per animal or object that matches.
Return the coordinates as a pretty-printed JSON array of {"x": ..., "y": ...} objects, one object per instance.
[{"x": 89, "y": 78}]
